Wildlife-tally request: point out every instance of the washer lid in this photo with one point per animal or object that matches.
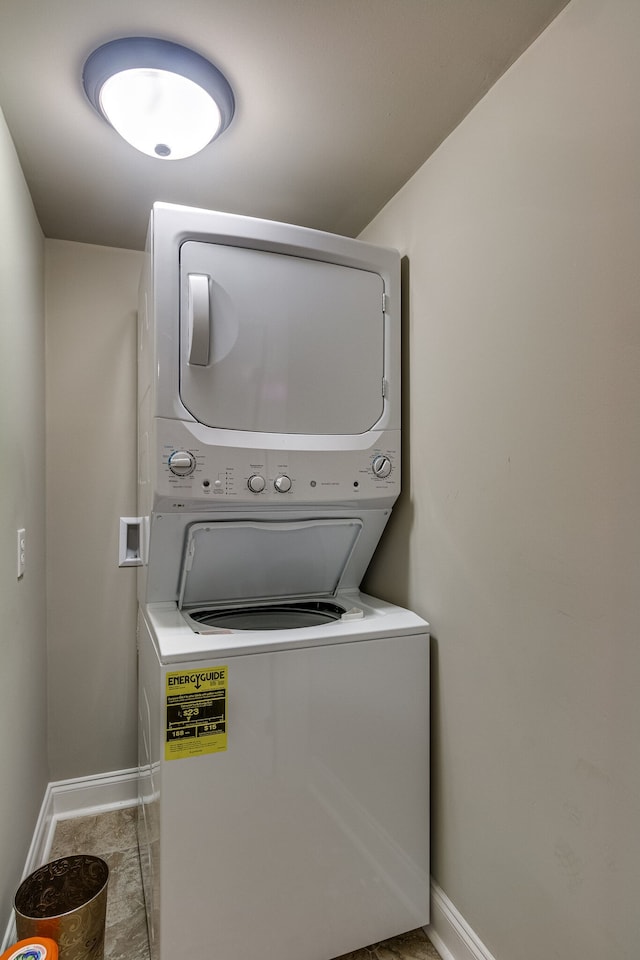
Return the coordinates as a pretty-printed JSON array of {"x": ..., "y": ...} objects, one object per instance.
[{"x": 265, "y": 560}]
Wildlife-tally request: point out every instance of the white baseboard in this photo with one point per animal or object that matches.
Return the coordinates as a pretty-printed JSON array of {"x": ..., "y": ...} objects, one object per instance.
[
  {"x": 81, "y": 797},
  {"x": 65, "y": 799},
  {"x": 88, "y": 795},
  {"x": 450, "y": 933}
]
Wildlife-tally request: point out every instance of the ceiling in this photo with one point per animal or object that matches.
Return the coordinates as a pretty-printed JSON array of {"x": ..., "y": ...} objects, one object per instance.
[{"x": 338, "y": 102}]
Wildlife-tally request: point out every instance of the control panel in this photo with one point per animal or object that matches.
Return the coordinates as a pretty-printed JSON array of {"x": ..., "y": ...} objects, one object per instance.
[{"x": 191, "y": 470}]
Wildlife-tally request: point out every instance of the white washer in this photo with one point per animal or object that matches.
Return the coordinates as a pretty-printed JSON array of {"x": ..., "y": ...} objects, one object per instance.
[{"x": 304, "y": 833}]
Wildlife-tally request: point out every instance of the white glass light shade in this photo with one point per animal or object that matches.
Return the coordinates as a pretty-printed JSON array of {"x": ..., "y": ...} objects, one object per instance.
[
  {"x": 164, "y": 99},
  {"x": 160, "y": 113}
]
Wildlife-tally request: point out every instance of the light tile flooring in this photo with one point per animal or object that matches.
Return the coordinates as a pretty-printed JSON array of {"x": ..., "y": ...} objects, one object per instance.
[{"x": 112, "y": 836}]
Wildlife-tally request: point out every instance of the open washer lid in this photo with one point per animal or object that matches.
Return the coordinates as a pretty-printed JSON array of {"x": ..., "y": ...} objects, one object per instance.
[{"x": 226, "y": 561}]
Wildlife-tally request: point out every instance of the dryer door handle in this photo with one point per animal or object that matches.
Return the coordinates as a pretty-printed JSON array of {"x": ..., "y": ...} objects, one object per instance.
[{"x": 199, "y": 309}]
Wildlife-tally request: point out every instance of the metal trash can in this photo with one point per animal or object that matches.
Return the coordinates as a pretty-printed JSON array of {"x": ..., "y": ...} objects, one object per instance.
[{"x": 66, "y": 900}]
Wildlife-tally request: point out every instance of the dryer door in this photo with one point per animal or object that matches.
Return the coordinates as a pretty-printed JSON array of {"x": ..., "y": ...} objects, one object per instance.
[{"x": 279, "y": 344}]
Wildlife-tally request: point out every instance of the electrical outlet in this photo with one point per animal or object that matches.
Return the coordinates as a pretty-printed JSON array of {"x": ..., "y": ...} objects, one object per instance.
[{"x": 21, "y": 543}]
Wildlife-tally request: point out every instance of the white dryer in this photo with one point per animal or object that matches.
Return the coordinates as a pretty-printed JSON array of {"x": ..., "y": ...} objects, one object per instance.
[{"x": 284, "y": 716}]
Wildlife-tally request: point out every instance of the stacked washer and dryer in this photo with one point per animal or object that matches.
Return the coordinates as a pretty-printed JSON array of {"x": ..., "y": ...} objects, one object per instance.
[{"x": 284, "y": 716}]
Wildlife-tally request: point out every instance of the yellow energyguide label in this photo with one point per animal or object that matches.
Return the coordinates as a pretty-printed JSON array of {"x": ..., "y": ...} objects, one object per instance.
[{"x": 196, "y": 712}]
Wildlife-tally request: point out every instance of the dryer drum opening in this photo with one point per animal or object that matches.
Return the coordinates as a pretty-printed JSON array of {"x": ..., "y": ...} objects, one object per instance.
[{"x": 282, "y": 616}]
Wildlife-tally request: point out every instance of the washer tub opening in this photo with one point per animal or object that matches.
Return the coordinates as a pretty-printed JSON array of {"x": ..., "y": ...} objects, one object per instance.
[{"x": 281, "y": 616}]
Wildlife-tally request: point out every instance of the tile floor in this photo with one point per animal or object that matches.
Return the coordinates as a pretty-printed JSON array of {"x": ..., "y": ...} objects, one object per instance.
[{"x": 112, "y": 836}]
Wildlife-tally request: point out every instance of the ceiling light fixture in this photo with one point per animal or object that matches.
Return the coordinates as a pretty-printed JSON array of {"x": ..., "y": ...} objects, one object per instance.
[{"x": 161, "y": 97}]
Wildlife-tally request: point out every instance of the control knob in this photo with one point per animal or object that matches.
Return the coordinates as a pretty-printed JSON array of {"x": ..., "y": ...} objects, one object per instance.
[
  {"x": 381, "y": 467},
  {"x": 282, "y": 483},
  {"x": 182, "y": 463},
  {"x": 256, "y": 483}
]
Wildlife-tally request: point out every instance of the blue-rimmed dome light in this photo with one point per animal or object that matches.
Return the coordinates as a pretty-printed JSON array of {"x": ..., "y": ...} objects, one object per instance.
[{"x": 162, "y": 98}]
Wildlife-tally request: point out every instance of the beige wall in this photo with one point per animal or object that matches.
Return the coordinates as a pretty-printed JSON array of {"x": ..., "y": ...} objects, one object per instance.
[
  {"x": 519, "y": 528},
  {"x": 91, "y": 297},
  {"x": 23, "y": 759}
]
